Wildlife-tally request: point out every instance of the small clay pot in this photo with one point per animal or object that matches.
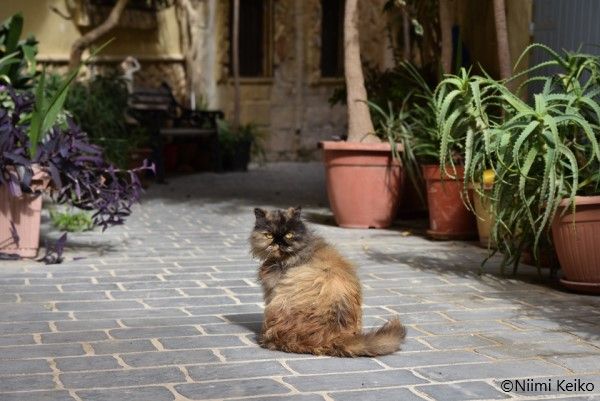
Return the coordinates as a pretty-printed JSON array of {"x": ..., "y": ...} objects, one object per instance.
[{"x": 449, "y": 218}]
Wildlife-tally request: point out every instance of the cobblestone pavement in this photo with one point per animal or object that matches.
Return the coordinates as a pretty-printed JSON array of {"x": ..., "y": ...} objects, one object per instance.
[{"x": 167, "y": 308}]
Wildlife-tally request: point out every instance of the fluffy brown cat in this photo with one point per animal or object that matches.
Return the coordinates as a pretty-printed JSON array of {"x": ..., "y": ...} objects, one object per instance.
[{"x": 312, "y": 294}]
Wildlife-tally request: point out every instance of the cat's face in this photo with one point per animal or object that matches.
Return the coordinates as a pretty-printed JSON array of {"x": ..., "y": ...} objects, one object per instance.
[{"x": 277, "y": 234}]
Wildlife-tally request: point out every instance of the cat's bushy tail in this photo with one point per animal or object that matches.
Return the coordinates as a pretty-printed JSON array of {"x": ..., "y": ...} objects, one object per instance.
[{"x": 382, "y": 341}]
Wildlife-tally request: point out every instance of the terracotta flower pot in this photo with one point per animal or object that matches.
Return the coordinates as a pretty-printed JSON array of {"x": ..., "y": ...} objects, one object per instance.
[
  {"x": 25, "y": 213},
  {"x": 576, "y": 241},
  {"x": 364, "y": 183},
  {"x": 448, "y": 216}
]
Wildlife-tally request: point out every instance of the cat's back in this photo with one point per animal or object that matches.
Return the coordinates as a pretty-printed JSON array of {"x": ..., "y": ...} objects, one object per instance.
[{"x": 325, "y": 268}]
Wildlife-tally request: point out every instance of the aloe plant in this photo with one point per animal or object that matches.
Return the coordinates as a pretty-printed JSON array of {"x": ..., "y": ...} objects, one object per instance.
[{"x": 541, "y": 151}]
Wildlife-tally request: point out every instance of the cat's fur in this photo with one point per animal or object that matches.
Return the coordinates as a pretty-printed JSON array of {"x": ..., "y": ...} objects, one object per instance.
[{"x": 312, "y": 294}]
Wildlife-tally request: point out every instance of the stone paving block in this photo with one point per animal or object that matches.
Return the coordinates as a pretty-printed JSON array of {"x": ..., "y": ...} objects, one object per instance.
[
  {"x": 296, "y": 397},
  {"x": 64, "y": 296},
  {"x": 491, "y": 370},
  {"x": 224, "y": 310},
  {"x": 73, "y": 336},
  {"x": 122, "y": 346},
  {"x": 352, "y": 381},
  {"x": 485, "y": 314},
  {"x": 236, "y": 328},
  {"x": 81, "y": 325},
  {"x": 231, "y": 388},
  {"x": 26, "y": 366},
  {"x": 125, "y": 279},
  {"x": 462, "y": 391},
  {"x": 128, "y": 394},
  {"x": 87, "y": 363},
  {"x": 201, "y": 341},
  {"x": 25, "y": 383},
  {"x": 389, "y": 394},
  {"x": 236, "y": 370},
  {"x": 68, "y": 288},
  {"x": 157, "y": 285},
  {"x": 457, "y": 341},
  {"x": 16, "y": 340},
  {"x": 578, "y": 363},
  {"x": 23, "y": 328},
  {"x": 333, "y": 365},
  {"x": 171, "y": 321},
  {"x": 155, "y": 332},
  {"x": 98, "y": 306},
  {"x": 525, "y": 337},
  {"x": 463, "y": 327},
  {"x": 129, "y": 313},
  {"x": 256, "y": 353},
  {"x": 145, "y": 294},
  {"x": 164, "y": 358},
  {"x": 226, "y": 283},
  {"x": 10, "y": 316},
  {"x": 121, "y": 378},
  {"x": 29, "y": 289},
  {"x": 189, "y": 302},
  {"x": 529, "y": 350},
  {"x": 57, "y": 395},
  {"x": 41, "y": 351},
  {"x": 430, "y": 358}
]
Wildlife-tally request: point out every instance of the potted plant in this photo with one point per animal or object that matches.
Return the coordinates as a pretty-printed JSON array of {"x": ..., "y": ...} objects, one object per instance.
[
  {"x": 568, "y": 198},
  {"x": 364, "y": 181},
  {"x": 237, "y": 147},
  {"x": 42, "y": 150}
]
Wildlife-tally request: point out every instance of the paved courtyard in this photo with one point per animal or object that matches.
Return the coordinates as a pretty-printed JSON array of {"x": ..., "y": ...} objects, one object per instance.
[{"x": 167, "y": 307}]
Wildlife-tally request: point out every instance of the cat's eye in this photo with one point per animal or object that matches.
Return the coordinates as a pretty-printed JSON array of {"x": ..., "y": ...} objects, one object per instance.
[
  {"x": 269, "y": 235},
  {"x": 289, "y": 236}
]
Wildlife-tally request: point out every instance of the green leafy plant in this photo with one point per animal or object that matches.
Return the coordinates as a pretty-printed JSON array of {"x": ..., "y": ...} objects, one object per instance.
[
  {"x": 249, "y": 135},
  {"x": 17, "y": 56},
  {"x": 540, "y": 152},
  {"x": 72, "y": 221}
]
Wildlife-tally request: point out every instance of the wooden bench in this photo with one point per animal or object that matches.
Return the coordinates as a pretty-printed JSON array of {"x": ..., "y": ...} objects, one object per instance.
[{"x": 159, "y": 111}]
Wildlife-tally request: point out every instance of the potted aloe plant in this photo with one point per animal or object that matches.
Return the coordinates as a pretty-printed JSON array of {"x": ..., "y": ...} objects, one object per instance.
[
  {"x": 544, "y": 158},
  {"x": 364, "y": 181}
]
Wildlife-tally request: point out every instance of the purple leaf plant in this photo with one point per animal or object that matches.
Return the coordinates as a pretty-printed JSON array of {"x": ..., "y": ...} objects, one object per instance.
[{"x": 79, "y": 174}]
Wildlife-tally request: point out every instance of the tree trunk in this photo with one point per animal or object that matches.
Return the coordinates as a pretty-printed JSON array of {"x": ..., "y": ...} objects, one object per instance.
[
  {"x": 446, "y": 35},
  {"x": 406, "y": 52},
  {"x": 360, "y": 126},
  {"x": 236, "y": 65},
  {"x": 86, "y": 40},
  {"x": 504, "y": 60}
]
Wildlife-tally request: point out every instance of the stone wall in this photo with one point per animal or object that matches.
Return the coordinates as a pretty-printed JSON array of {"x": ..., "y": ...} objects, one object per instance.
[{"x": 292, "y": 104}]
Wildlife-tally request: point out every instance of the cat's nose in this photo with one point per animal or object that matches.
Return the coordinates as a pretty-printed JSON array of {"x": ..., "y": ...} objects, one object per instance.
[{"x": 275, "y": 246}]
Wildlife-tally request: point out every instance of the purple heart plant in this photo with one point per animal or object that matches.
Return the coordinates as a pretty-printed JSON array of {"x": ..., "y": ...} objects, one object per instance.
[{"x": 37, "y": 136}]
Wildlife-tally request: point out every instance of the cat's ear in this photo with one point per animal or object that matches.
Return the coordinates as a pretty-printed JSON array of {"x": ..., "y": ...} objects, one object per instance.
[
  {"x": 260, "y": 214},
  {"x": 294, "y": 212}
]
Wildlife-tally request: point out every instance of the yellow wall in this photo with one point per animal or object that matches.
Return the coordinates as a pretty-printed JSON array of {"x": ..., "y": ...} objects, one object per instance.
[{"x": 56, "y": 34}]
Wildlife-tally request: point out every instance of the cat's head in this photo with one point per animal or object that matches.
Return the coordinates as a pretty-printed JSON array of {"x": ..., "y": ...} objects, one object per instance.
[{"x": 278, "y": 234}]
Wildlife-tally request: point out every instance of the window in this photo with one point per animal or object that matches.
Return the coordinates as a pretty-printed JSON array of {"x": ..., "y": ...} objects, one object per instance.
[
  {"x": 255, "y": 38},
  {"x": 332, "y": 38}
]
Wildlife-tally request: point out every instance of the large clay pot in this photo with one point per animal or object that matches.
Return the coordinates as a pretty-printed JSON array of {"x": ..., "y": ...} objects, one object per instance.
[
  {"x": 576, "y": 241},
  {"x": 25, "y": 213},
  {"x": 449, "y": 218},
  {"x": 364, "y": 183}
]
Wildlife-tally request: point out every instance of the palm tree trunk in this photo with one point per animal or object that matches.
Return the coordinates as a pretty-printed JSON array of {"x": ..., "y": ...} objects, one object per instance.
[
  {"x": 236, "y": 65},
  {"x": 446, "y": 33},
  {"x": 360, "y": 126},
  {"x": 504, "y": 60}
]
